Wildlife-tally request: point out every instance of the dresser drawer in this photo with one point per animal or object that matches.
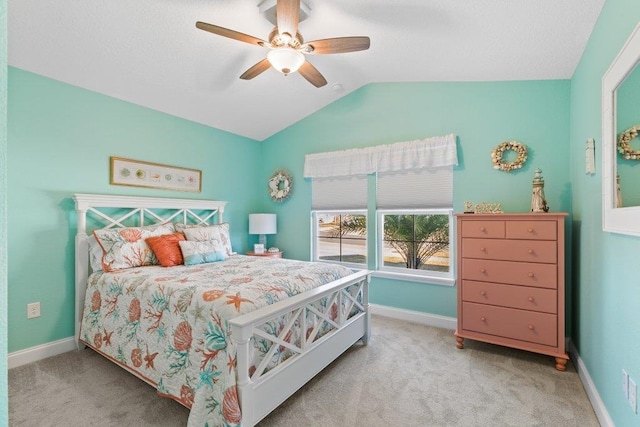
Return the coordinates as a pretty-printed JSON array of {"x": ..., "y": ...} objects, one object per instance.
[
  {"x": 538, "y": 230},
  {"x": 510, "y": 250},
  {"x": 487, "y": 229},
  {"x": 522, "y": 297},
  {"x": 510, "y": 272},
  {"x": 540, "y": 328}
]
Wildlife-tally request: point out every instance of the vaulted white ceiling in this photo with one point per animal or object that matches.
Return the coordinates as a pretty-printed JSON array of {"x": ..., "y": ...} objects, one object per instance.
[{"x": 150, "y": 53}]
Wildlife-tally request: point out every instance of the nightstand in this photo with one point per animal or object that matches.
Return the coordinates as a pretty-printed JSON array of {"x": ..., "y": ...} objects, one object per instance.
[{"x": 266, "y": 254}]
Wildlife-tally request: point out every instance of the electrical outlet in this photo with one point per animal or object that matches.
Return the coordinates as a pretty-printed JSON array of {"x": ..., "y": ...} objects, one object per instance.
[
  {"x": 33, "y": 310},
  {"x": 625, "y": 384},
  {"x": 632, "y": 395}
]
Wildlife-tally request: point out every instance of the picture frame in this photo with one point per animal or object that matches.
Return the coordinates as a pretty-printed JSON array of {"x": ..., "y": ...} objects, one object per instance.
[
  {"x": 138, "y": 173},
  {"x": 258, "y": 248}
]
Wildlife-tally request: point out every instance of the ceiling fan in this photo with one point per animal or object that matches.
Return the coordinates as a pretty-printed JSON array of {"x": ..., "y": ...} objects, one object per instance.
[{"x": 287, "y": 48}]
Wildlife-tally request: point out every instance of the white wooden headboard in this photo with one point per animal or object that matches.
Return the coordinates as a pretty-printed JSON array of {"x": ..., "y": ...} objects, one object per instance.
[{"x": 107, "y": 211}]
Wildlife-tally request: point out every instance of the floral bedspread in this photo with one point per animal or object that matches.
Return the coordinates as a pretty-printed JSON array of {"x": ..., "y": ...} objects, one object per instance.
[{"x": 170, "y": 325}]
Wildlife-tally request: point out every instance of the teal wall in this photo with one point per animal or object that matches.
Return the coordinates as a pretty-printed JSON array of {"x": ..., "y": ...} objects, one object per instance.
[
  {"x": 4, "y": 409},
  {"x": 60, "y": 140},
  {"x": 482, "y": 115},
  {"x": 606, "y": 295}
]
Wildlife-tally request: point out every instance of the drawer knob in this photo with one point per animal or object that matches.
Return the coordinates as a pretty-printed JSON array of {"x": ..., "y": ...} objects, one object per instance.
[
  {"x": 531, "y": 327},
  {"x": 482, "y": 270},
  {"x": 483, "y": 319},
  {"x": 483, "y": 293},
  {"x": 530, "y": 299},
  {"x": 530, "y": 230},
  {"x": 530, "y": 274},
  {"x": 483, "y": 249},
  {"x": 530, "y": 251},
  {"x": 483, "y": 229}
]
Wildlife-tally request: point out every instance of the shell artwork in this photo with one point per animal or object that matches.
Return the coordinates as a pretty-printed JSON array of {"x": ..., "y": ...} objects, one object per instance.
[
  {"x": 134, "y": 310},
  {"x": 136, "y": 357},
  {"x": 231, "y": 407},
  {"x": 186, "y": 394},
  {"x": 624, "y": 143},
  {"x": 131, "y": 235},
  {"x": 212, "y": 295},
  {"x": 96, "y": 301},
  {"x": 97, "y": 340},
  {"x": 280, "y": 185},
  {"x": 498, "y": 153},
  {"x": 182, "y": 336}
]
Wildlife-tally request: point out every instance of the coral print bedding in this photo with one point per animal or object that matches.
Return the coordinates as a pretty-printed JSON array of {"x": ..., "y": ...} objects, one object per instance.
[{"x": 170, "y": 326}]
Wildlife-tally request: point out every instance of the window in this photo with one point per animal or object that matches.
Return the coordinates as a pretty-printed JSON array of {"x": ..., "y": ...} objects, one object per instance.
[
  {"x": 408, "y": 186},
  {"x": 415, "y": 242},
  {"x": 341, "y": 237}
]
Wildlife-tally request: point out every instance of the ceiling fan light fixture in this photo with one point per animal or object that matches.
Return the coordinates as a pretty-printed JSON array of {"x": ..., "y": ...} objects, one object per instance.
[{"x": 285, "y": 59}]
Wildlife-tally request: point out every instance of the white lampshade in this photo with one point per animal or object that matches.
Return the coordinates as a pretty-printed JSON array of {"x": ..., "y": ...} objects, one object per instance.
[
  {"x": 262, "y": 224},
  {"x": 285, "y": 59}
]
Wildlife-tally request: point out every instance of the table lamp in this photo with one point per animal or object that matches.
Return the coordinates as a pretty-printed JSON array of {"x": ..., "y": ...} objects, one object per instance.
[{"x": 262, "y": 224}]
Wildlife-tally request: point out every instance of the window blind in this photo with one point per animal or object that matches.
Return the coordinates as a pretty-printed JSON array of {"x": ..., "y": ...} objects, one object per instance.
[
  {"x": 343, "y": 193},
  {"x": 415, "y": 189}
]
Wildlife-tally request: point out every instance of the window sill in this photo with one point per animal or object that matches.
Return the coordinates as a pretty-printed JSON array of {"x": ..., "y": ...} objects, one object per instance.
[{"x": 432, "y": 280}]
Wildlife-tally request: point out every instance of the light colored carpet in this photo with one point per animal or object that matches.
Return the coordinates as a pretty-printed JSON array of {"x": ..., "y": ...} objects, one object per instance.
[{"x": 409, "y": 375}]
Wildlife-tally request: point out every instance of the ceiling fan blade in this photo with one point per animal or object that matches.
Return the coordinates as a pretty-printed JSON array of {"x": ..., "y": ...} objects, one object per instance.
[
  {"x": 312, "y": 74},
  {"x": 288, "y": 16},
  {"x": 337, "y": 45},
  {"x": 236, "y": 35},
  {"x": 255, "y": 70}
]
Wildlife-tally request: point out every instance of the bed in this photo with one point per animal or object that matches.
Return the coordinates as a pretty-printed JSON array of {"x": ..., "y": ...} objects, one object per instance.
[{"x": 229, "y": 338}]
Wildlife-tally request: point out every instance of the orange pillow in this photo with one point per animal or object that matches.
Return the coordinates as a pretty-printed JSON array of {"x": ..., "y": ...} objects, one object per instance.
[{"x": 167, "y": 249}]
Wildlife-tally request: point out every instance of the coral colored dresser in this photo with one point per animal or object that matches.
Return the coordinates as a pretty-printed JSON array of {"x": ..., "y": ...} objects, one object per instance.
[{"x": 511, "y": 281}]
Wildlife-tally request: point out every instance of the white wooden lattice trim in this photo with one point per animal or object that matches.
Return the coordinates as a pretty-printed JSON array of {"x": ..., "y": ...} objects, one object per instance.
[
  {"x": 262, "y": 391},
  {"x": 299, "y": 315}
]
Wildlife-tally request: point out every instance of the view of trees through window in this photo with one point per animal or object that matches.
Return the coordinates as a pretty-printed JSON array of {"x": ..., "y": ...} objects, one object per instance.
[
  {"x": 409, "y": 241},
  {"x": 417, "y": 241},
  {"x": 342, "y": 238}
]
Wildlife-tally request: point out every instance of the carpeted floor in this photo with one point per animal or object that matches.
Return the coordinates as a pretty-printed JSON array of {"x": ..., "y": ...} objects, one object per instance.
[{"x": 409, "y": 375}]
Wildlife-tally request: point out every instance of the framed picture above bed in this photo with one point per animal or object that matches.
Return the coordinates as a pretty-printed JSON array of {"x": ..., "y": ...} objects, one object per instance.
[{"x": 137, "y": 173}]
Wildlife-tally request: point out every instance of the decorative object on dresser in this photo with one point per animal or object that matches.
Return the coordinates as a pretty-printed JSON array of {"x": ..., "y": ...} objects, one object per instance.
[
  {"x": 511, "y": 282},
  {"x": 538, "y": 201},
  {"x": 498, "y": 153},
  {"x": 483, "y": 207},
  {"x": 263, "y": 224}
]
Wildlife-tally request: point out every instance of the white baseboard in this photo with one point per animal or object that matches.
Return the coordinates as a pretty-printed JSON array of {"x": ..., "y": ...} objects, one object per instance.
[
  {"x": 39, "y": 352},
  {"x": 598, "y": 405},
  {"x": 415, "y": 316}
]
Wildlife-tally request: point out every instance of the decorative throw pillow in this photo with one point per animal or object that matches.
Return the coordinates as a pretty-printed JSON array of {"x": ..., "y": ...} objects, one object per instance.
[
  {"x": 95, "y": 254},
  {"x": 203, "y": 233},
  {"x": 126, "y": 247},
  {"x": 167, "y": 249},
  {"x": 195, "y": 252}
]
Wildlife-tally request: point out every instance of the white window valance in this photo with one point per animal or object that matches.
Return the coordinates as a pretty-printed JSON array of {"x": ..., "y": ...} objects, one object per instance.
[{"x": 434, "y": 152}]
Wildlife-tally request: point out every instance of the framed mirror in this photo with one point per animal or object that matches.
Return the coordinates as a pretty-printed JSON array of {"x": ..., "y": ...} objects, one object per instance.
[{"x": 618, "y": 85}]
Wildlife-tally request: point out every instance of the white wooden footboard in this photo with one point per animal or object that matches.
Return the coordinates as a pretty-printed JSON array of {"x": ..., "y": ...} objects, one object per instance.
[{"x": 260, "y": 391}]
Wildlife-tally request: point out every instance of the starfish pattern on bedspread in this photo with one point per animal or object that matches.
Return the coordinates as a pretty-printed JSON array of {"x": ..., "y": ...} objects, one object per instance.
[{"x": 170, "y": 326}]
